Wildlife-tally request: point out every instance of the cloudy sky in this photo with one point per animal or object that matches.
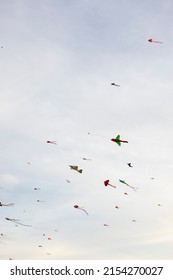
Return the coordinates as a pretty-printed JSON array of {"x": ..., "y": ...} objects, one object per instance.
[{"x": 58, "y": 59}]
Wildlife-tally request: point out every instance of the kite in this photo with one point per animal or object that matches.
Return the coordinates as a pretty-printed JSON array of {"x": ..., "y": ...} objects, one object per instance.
[
  {"x": 123, "y": 182},
  {"x": 118, "y": 140},
  {"x": 105, "y": 225},
  {"x": 17, "y": 222},
  {"x": 129, "y": 164},
  {"x": 36, "y": 189},
  {"x": 86, "y": 158},
  {"x": 153, "y": 41},
  {"x": 67, "y": 181},
  {"x": 81, "y": 208},
  {"x": 126, "y": 193},
  {"x": 117, "y": 207},
  {"x": 74, "y": 167},
  {"x": 10, "y": 204},
  {"x": 51, "y": 142},
  {"x": 40, "y": 200},
  {"x": 113, "y": 84},
  {"x": 106, "y": 183}
]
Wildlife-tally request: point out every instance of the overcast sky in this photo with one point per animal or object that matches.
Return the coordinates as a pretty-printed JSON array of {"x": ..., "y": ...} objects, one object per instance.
[{"x": 58, "y": 59}]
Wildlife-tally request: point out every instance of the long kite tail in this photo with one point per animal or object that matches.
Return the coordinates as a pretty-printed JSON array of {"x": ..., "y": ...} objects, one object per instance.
[
  {"x": 10, "y": 204},
  {"x": 84, "y": 210},
  {"x": 158, "y": 42},
  {"x": 22, "y": 224},
  {"x": 17, "y": 222},
  {"x": 133, "y": 188},
  {"x": 112, "y": 186}
]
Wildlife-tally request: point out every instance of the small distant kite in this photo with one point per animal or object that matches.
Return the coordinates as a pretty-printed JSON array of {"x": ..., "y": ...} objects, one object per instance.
[
  {"x": 154, "y": 41},
  {"x": 80, "y": 208},
  {"x": 75, "y": 167},
  {"x": 123, "y": 182},
  {"x": 117, "y": 207},
  {"x": 106, "y": 183},
  {"x": 51, "y": 142},
  {"x": 40, "y": 200},
  {"x": 129, "y": 164},
  {"x": 86, "y": 158},
  {"x": 113, "y": 84},
  {"x": 106, "y": 225},
  {"x": 36, "y": 189},
  {"x": 10, "y": 204},
  {"x": 67, "y": 181},
  {"x": 118, "y": 140},
  {"x": 17, "y": 222}
]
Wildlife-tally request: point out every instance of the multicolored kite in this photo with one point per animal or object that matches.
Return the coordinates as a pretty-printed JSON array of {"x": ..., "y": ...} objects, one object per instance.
[
  {"x": 123, "y": 182},
  {"x": 118, "y": 140}
]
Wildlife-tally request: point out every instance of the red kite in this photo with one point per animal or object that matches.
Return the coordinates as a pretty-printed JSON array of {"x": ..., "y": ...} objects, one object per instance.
[
  {"x": 106, "y": 183},
  {"x": 154, "y": 41}
]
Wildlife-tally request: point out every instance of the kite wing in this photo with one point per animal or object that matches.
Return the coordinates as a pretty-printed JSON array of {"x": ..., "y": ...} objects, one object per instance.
[
  {"x": 117, "y": 140},
  {"x": 74, "y": 167},
  {"x": 80, "y": 170}
]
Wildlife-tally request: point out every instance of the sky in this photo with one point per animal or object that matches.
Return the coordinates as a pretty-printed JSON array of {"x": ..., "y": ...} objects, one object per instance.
[{"x": 57, "y": 62}]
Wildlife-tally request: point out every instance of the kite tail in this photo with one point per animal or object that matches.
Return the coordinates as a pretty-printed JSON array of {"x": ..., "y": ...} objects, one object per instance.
[
  {"x": 158, "y": 42},
  {"x": 112, "y": 186},
  {"x": 133, "y": 188},
  {"x": 84, "y": 210},
  {"x": 23, "y": 224}
]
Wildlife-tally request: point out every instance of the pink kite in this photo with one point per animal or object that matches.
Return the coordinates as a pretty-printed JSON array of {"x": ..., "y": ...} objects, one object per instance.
[
  {"x": 106, "y": 183},
  {"x": 81, "y": 208},
  {"x": 154, "y": 41}
]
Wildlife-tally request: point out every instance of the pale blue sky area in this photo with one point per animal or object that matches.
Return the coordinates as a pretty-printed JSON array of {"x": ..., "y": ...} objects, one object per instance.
[{"x": 57, "y": 62}]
